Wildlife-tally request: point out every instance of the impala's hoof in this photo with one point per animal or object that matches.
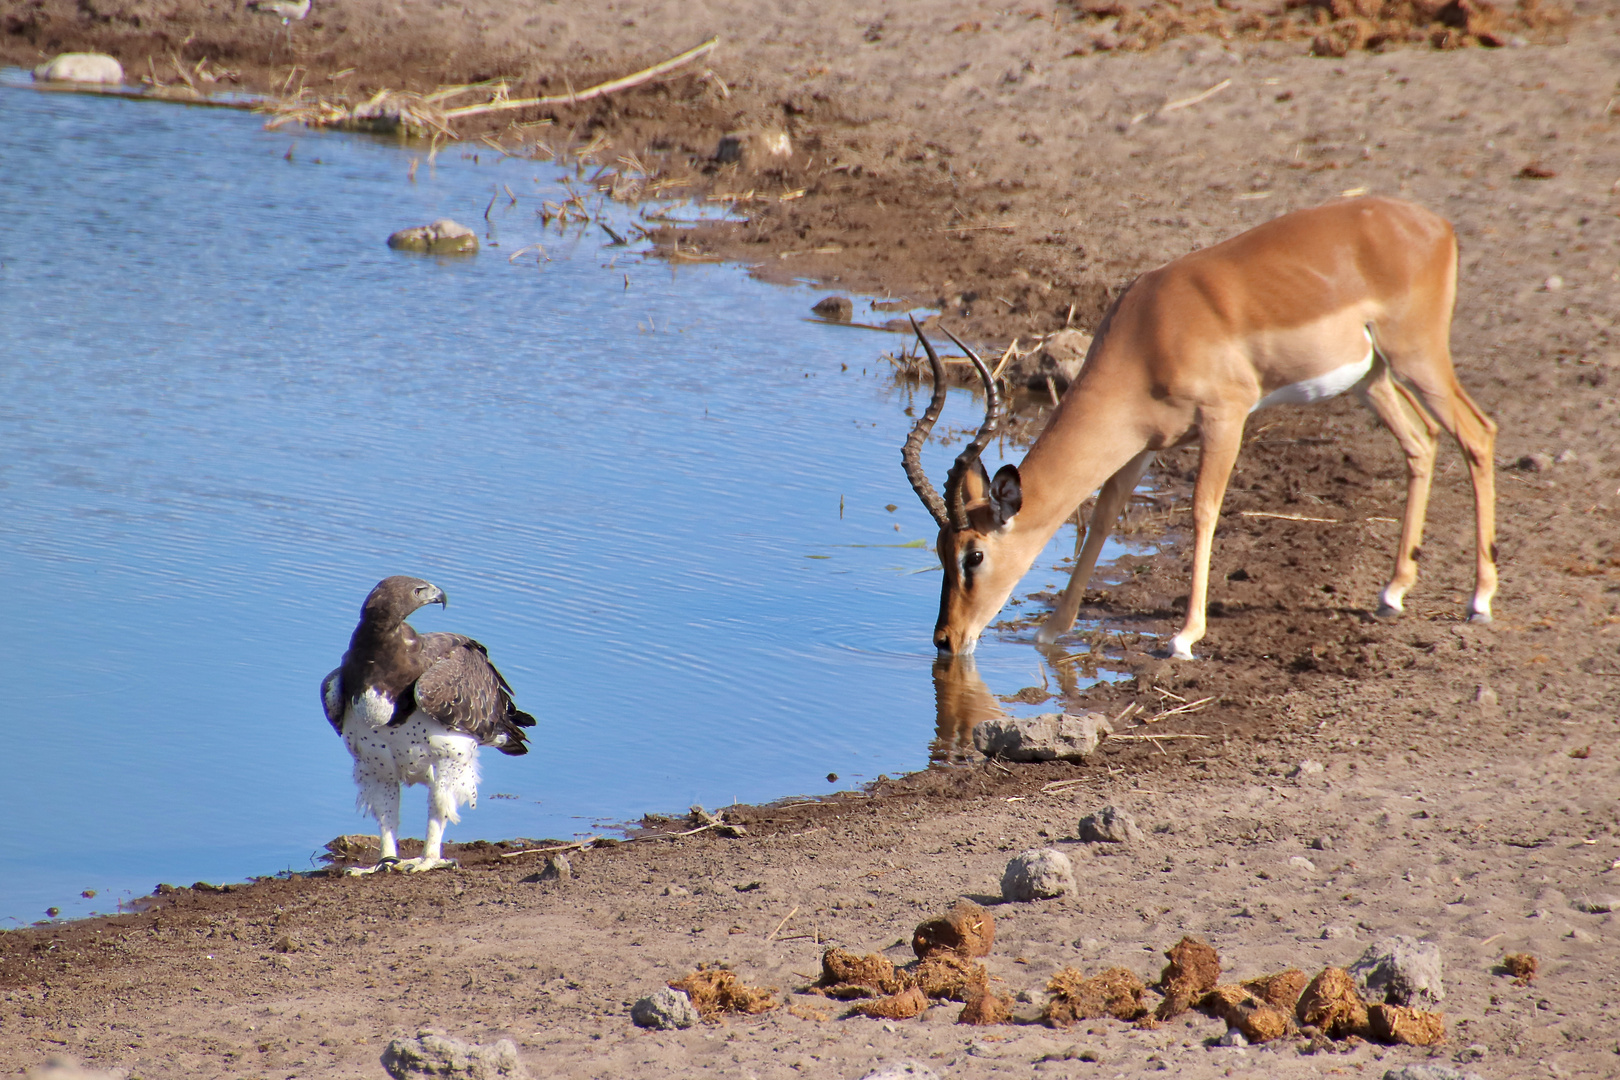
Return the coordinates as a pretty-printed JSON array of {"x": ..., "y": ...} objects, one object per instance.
[
  {"x": 1386, "y": 611},
  {"x": 1479, "y": 618}
]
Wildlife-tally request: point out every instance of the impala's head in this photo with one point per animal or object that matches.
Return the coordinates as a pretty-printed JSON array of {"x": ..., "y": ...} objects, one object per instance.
[{"x": 980, "y": 572}]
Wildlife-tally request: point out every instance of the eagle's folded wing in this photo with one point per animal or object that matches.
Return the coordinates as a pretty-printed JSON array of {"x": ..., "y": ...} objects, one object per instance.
[
  {"x": 332, "y": 699},
  {"x": 462, "y": 690}
]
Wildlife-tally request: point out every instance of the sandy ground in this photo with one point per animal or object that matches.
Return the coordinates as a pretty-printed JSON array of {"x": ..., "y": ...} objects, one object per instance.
[{"x": 992, "y": 162}]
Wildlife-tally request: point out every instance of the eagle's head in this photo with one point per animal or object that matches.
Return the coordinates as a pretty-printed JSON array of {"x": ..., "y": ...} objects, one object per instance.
[{"x": 394, "y": 598}]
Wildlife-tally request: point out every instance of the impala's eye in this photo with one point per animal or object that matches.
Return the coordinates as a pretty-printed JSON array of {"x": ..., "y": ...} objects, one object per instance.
[{"x": 973, "y": 558}]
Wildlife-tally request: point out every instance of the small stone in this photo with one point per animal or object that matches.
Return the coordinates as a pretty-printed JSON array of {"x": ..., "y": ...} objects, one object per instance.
[
  {"x": 1300, "y": 862},
  {"x": 906, "y": 1069},
  {"x": 432, "y": 1054},
  {"x": 1400, "y": 971},
  {"x": 442, "y": 237},
  {"x": 753, "y": 149},
  {"x": 1110, "y": 825},
  {"x": 1322, "y": 843},
  {"x": 1597, "y": 905},
  {"x": 1338, "y": 933},
  {"x": 1233, "y": 1037},
  {"x": 1047, "y": 737},
  {"x": 1307, "y": 768},
  {"x": 1538, "y": 462},
  {"x": 1473, "y": 1052},
  {"x": 81, "y": 67},
  {"x": 557, "y": 868},
  {"x": 1037, "y": 874},
  {"x": 66, "y": 1068},
  {"x": 1553, "y": 283},
  {"x": 664, "y": 1009},
  {"x": 1485, "y": 697},
  {"x": 834, "y": 308},
  {"x": 1428, "y": 1070},
  {"x": 676, "y": 890},
  {"x": 1566, "y": 457}
]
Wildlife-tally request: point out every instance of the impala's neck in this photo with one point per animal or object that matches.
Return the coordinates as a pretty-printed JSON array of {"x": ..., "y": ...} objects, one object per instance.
[{"x": 1082, "y": 446}]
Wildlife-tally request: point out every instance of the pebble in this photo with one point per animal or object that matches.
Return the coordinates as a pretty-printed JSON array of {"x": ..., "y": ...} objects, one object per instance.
[
  {"x": 1300, "y": 862},
  {"x": 1597, "y": 905},
  {"x": 433, "y": 1054},
  {"x": 1110, "y": 825},
  {"x": 442, "y": 237},
  {"x": 1047, "y": 737},
  {"x": 1308, "y": 768},
  {"x": 906, "y": 1069},
  {"x": 1429, "y": 1070}
]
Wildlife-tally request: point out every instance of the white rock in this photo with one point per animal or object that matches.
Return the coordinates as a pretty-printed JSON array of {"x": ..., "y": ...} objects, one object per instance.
[
  {"x": 664, "y": 1008},
  {"x": 902, "y": 1070},
  {"x": 81, "y": 67},
  {"x": 1308, "y": 768},
  {"x": 432, "y": 1054},
  {"x": 1300, "y": 862},
  {"x": 1037, "y": 874},
  {"x": 442, "y": 237},
  {"x": 1400, "y": 970},
  {"x": 1047, "y": 737}
]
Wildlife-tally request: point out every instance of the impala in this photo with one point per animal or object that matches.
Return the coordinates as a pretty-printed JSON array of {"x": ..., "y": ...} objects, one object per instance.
[{"x": 1355, "y": 295}]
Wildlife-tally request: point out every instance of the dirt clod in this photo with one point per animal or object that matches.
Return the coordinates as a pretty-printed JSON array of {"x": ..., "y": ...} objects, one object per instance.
[
  {"x": 1281, "y": 989},
  {"x": 1116, "y": 992},
  {"x": 1193, "y": 970},
  {"x": 1522, "y": 966},
  {"x": 985, "y": 1006},
  {"x": 1258, "y": 1020},
  {"x": 901, "y": 1006},
  {"x": 842, "y": 969},
  {"x": 715, "y": 991},
  {"x": 1400, "y": 1024},
  {"x": 967, "y": 930},
  {"x": 946, "y": 976},
  {"x": 1332, "y": 1004}
]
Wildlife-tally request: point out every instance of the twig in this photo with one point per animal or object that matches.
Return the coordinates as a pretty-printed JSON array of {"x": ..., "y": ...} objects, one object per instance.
[
  {"x": 1187, "y": 708},
  {"x": 594, "y": 839},
  {"x": 977, "y": 228},
  {"x": 783, "y": 923},
  {"x": 1287, "y": 517},
  {"x": 1058, "y": 784},
  {"x": 1151, "y": 738},
  {"x": 1182, "y": 103},
  {"x": 613, "y": 85},
  {"x": 1006, "y": 357}
]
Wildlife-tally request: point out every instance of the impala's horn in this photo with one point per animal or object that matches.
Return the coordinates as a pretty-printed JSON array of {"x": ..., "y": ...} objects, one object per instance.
[
  {"x": 919, "y": 435},
  {"x": 968, "y": 459}
]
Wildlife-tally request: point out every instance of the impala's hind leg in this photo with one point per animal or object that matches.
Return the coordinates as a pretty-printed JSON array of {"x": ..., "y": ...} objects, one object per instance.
[
  {"x": 1475, "y": 433},
  {"x": 1415, "y": 430},
  {"x": 1110, "y": 501}
]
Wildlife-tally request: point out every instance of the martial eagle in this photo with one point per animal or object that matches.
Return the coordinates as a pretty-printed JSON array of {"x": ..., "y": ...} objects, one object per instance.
[{"x": 414, "y": 709}]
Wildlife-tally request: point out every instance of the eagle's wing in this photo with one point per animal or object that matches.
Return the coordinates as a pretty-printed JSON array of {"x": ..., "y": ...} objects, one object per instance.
[
  {"x": 332, "y": 699},
  {"x": 462, "y": 690}
]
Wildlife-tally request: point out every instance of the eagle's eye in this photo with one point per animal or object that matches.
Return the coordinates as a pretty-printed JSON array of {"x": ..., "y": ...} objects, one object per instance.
[{"x": 973, "y": 558}]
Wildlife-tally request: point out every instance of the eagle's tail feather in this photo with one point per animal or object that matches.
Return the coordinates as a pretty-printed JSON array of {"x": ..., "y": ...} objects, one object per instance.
[{"x": 510, "y": 737}]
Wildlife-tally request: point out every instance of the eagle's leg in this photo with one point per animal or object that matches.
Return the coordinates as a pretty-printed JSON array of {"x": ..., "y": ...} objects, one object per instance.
[
  {"x": 452, "y": 782},
  {"x": 381, "y": 798}
]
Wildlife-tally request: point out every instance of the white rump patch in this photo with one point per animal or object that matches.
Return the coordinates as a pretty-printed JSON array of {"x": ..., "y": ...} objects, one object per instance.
[{"x": 1310, "y": 391}]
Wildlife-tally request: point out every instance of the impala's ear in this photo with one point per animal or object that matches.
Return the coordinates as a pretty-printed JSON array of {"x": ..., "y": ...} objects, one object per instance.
[{"x": 1006, "y": 494}]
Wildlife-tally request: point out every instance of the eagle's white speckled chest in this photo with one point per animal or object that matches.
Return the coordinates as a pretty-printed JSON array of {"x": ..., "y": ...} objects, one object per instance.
[{"x": 418, "y": 751}]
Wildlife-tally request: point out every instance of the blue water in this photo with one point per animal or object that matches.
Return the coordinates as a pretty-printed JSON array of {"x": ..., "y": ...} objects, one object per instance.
[{"x": 227, "y": 409}]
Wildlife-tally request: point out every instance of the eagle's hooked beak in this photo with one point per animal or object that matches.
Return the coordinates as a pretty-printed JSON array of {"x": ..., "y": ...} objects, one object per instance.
[{"x": 439, "y": 598}]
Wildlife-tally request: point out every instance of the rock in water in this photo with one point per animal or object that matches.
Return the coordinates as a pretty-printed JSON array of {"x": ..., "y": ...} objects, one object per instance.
[
  {"x": 835, "y": 308},
  {"x": 1400, "y": 971},
  {"x": 1037, "y": 874},
  {"x": 81, "y": 67},
  {"x": 432, "y": 1054},
  {"x": 666, "y": 1008},
  {"x": 1110, "y": 825},
  {"x": 1047, "y": 737},
  {"x": 442, "y": 237}
]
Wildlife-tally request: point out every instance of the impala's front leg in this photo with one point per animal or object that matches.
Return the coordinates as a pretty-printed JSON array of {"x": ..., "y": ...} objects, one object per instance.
[
  {"x": 1222, "y": 438},
  {"x": 1110, "y": 501}
]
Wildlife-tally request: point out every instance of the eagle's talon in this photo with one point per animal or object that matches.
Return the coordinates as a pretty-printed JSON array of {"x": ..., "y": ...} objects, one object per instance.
[{"x": 423, "y": 865}]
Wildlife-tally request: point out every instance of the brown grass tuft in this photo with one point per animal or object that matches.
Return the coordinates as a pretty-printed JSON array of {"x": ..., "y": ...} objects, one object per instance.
[
  {"x": 1332, "y": 1004},
  {"x": 1258, "y": 1020},
  {"x": 1281, "y": 990},
  {"x": 1413, "y": 1027},
  {"x": 902, "y": 1006},
  {"x": 1522, "y": 966},
  {"x": 946, "y": 976},
  {"x": 845, "y": 974},
  {"x": 715, "y": 991},
  {"x": 1117, "y": 992},
  {"x": 1193, "y": 970}
]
